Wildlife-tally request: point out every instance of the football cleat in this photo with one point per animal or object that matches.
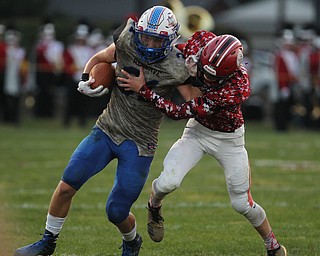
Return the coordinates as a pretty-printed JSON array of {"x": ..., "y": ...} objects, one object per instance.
[
  {"x": 44, "y": 247},
  {"x": 155, "y": 223},
  {"x": 281, "y": 251},
  {"x": 132, "y": 248}
]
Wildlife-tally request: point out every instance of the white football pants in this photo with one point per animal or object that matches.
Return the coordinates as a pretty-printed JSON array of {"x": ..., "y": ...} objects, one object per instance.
[{"x": 228, "y": 149}]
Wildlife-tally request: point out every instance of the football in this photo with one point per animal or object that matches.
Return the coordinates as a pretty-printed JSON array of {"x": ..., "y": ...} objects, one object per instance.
[{"x": 104, "y": 74}]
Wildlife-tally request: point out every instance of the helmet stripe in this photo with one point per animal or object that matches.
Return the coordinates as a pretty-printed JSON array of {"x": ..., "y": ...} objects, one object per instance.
[
  {"x": 155, "y": 17},
  {"x": 218, "y": 46},
  {"x": 222, "y": 48},
  {"x": 226, "y": 52}
]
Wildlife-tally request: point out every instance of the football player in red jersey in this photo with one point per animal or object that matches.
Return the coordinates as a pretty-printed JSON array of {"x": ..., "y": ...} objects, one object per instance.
[{"x": 215, "y": 127}]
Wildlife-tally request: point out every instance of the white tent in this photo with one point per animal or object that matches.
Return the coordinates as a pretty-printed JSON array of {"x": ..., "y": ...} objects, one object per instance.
[{"x": 260, "y": 19}]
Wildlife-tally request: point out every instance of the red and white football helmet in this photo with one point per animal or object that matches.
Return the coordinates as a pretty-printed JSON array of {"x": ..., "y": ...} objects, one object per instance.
[{"x": 219, "y": 59}]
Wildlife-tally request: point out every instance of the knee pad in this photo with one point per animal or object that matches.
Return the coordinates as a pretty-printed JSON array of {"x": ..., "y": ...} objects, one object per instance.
[
  {"x": 116, "y": 212},
  {"x": 251, "y": 210},
  {"x": 167, "y": 182},
  {"x": 165, "y": 185},
  {"x": 75, "y": 173},
  {"x": 118, "y": 206},
  {"x": 255, "y": 215},
  {"x": 240, "y": 203}
]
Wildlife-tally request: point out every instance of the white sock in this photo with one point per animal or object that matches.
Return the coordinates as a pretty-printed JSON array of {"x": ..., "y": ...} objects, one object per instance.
[
  {"x": 131, "y": 235},
  {"x": 54, "y": 224}
]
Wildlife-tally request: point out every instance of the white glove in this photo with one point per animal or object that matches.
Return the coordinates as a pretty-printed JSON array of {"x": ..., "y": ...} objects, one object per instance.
[
  {"x": 191, "y": 64},
  {"x": 84, "y": 88}
]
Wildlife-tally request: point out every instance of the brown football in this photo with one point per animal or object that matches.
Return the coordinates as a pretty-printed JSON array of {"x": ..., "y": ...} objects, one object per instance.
[{"x": 104, "y": 74}]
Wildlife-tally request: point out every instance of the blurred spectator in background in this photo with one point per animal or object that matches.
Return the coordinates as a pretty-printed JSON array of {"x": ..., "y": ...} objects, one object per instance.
[
  {"x": 302, "y": 109},
  {"x": 97, "y": 41},
  {"x": 14, "y": 75},
  {"x": 49, "y": 61},
  {"x": 2, "y": 67},
  {"x": 252, "y": 109},
  {"x": 247, "y": 58},
  {"x": 76, "y": 55},
  {"x": 315, "y": 79},
  {"x": 286, "y": 70}
]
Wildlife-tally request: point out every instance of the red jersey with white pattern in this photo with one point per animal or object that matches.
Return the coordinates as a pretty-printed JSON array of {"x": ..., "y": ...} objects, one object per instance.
[
  {"x": 195, "y": 43},
  {"x": 219, "y": 108}
]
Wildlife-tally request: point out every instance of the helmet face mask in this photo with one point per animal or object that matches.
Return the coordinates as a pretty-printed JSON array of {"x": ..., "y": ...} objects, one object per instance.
[
  {"x": 155, "y": 33},
  {"x": 151, "y": 41},
  {"x": 205, "y": 80},
  {"x": 219, "y": 60}
]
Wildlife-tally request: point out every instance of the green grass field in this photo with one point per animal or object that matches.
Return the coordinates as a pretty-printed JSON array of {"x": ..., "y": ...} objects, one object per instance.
[{"x": 198, "y": 217}]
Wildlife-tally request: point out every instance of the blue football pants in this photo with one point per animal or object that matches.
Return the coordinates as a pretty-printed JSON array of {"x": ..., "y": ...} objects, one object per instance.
[{"x": 93, "y": 154}]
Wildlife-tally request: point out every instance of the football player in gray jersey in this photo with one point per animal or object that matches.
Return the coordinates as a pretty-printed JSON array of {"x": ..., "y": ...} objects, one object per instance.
[{"x": 127, "y": 129}]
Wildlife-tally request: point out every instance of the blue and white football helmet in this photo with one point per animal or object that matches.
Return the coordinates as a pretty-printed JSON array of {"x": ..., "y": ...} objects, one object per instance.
[{"x": 155, "y": 34}]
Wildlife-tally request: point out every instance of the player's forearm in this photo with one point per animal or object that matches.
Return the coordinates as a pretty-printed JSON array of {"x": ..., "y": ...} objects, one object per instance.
[{"x": 169, "y": 108}]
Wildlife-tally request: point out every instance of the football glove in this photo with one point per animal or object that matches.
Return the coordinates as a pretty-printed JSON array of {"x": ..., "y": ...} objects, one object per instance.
[
  {"x": 191, "y": 65},
  {"x": 84, "y": 88}
]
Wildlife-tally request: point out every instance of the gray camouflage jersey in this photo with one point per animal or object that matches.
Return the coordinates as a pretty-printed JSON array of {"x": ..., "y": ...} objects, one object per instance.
[{"x": 128, "y": 116}]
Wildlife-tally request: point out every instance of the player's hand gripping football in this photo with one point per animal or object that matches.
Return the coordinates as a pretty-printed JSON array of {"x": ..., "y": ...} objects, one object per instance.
[
  {"x": 131, "y": 82},
  {"x": 84, "y": 88}
]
